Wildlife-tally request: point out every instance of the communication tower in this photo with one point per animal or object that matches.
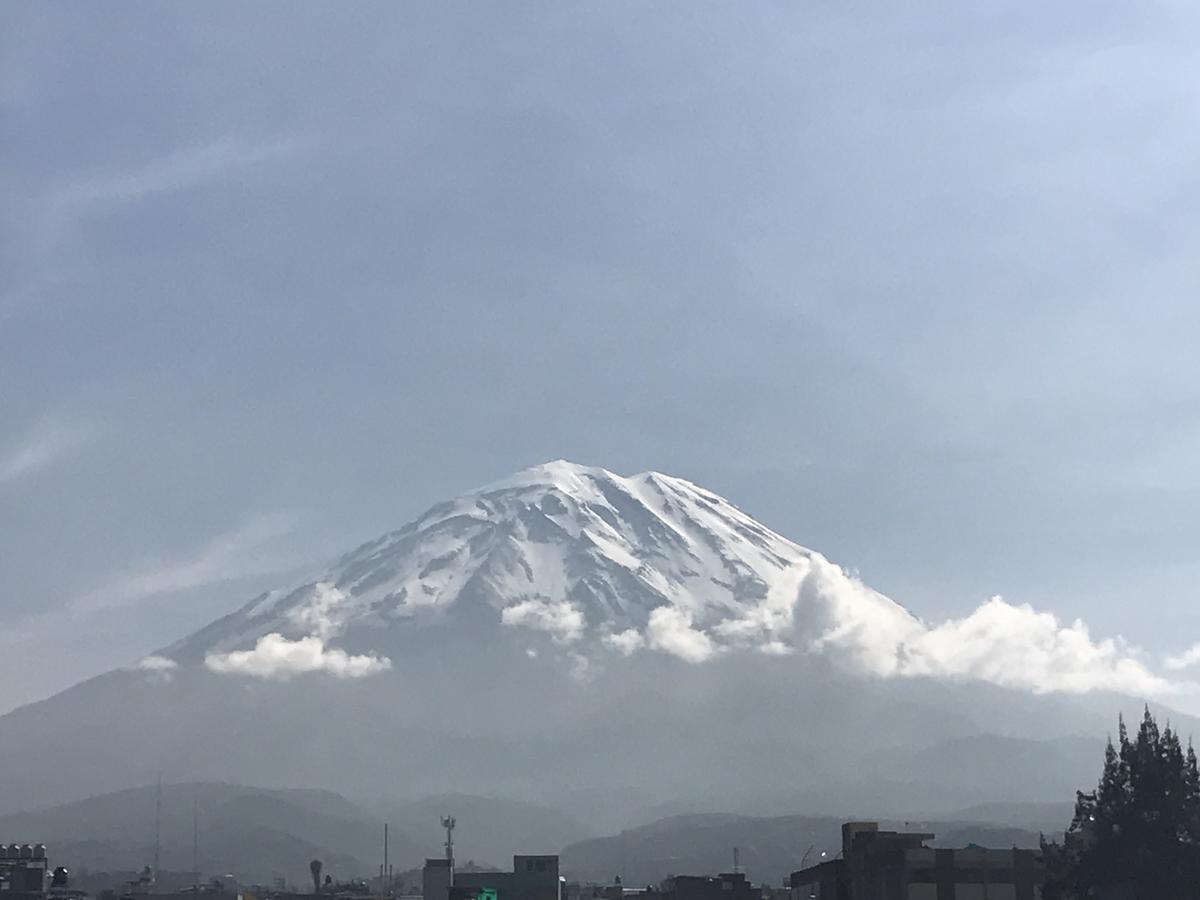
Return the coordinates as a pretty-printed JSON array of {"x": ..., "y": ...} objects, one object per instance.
[{"x": 448, "y": 822}]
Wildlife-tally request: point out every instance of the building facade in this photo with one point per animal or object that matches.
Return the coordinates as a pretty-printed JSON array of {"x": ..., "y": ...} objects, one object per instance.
[
  {"x": 894, "y": 865},
  {"x": 24, "y": 871},
  {"x": 436, "y": 877},
  {"x": 532, "y": 878},
  {"x": 728, "y": 886}
]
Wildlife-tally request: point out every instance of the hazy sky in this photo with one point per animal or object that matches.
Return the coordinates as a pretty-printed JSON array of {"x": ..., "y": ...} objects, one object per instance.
[{"x": 915, "y": 286}]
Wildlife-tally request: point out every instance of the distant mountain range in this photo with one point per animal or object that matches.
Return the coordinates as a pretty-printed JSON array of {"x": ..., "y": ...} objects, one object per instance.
[
  {"x": 769, "y": 849},
  {"x": 259, "y": 834},
  {"x": 614, "y": 647},
  {"x": 255, "y": 833}
]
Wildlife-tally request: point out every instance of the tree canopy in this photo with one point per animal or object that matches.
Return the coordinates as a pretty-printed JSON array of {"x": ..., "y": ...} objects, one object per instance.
[{"x": 1138, "y": 834}]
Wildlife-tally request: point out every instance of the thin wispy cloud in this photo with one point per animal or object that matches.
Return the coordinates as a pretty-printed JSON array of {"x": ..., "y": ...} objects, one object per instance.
[
  {"x": 56, "y": 215},
  {"x": 158, "y": 669},
  {"x": 251, "y": 549},
  {"x": 50, "y": 440},
  {"x": 179, "y": 170}
]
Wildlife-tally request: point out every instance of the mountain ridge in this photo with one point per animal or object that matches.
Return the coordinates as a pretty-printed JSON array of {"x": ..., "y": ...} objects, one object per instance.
[
  {"x": 569, "y": 631},
  {"x": 588, "y": 558}
]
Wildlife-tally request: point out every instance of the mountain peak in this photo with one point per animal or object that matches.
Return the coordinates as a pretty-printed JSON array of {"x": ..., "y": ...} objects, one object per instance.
[
  {"x": 587, "y": 559},
  {"x": 560, "y": 473}
]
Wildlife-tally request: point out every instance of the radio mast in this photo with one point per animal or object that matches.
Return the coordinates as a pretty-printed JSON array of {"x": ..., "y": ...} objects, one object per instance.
[{"x": 448, "y": 822}]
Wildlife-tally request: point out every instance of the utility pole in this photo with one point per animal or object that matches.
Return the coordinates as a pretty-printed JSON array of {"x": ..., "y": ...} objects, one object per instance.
[
  {"x": 157, "y": 828},
  {"x": 196, "y": 843},
  {"x": 383, "y": 887}
]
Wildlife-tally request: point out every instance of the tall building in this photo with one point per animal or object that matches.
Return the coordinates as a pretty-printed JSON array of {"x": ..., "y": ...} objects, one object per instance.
[
  {"x": 896, "y": 865},
  {"x": 24, "y": 871},
  {"x": 436, "y": 878},
  {"x": 727, "y": 886},
  {"x": 532, "y": 878}
]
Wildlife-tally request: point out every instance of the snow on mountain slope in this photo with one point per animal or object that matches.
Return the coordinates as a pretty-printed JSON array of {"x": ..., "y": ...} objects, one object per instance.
[
  {"x": 592, "y": 559},
  {"x": 603, "y": 564}
]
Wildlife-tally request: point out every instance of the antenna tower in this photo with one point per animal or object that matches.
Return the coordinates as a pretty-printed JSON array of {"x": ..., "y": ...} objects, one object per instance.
[{"x": 448, "y": 822}]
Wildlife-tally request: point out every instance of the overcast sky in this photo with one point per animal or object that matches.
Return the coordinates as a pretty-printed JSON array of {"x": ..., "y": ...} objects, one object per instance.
[{"x": 915, "y": 286}]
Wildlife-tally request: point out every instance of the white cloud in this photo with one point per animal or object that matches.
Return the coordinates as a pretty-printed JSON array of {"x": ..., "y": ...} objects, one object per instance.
[
  {"x": 319, "y": 616},
  {"x": 158, "y": 669},
  {"x": 776, "y": 648},
  {"x": 670, "y": 630},
  {"x": 155, "y": 663},
  {"x": 628, "y": 641},
  {"x": 1000, "y": 643},
  {"x": 275, "y": 657},
  {"x": 1184, "y": 660},
  {"x": 50, "y": 440},
  {"x": 1017, "y": 646},
  {"x": 556, "y": 617},
  {"x": 239, "y": 553}
]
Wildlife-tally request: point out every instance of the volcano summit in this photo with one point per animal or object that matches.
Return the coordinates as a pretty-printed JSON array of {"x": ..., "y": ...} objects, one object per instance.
[{"x": 569, "y": 631}]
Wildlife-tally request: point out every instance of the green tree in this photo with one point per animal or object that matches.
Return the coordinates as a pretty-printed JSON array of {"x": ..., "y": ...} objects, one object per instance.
[{"x": 1140, "y": 828}]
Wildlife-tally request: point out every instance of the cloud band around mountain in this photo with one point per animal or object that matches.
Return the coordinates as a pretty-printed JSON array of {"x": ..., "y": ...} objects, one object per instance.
[
  {"x": 650, "y": 563},
  {"x": 277, "y": 658},
  {"x": 998, "y": 643}
]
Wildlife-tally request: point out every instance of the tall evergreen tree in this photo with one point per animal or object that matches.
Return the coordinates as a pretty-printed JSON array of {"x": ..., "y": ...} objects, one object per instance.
[{"x": 1140, "y": 828}]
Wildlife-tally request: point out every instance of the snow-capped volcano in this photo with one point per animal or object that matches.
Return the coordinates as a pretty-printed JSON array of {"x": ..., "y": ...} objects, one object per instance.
[
  {"x": 591, "y": 559},
  {"x": 545, "y": 633}
]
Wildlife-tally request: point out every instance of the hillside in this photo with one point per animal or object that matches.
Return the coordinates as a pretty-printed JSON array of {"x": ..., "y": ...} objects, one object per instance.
[
  {"x": 769, "y": 849},
  {"x": 620, "y": 645},
  {"x": 252, "y": 833},
  {"x": 490, "y": 829}
]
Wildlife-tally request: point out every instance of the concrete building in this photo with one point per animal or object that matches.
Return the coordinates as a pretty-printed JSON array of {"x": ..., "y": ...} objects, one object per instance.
[
  {"x": 24, "y": 871},
  {"x": 532, "y": 878},
  {"x": 436, "y": 877},
  {"x": 895, "y": 865},
  {"x": 728, "y": 886}
]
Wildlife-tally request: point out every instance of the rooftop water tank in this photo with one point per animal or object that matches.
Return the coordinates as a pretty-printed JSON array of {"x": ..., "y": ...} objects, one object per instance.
[
  {"x": 39, "y": 851},
  {"x": 26, "y": 851}
]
